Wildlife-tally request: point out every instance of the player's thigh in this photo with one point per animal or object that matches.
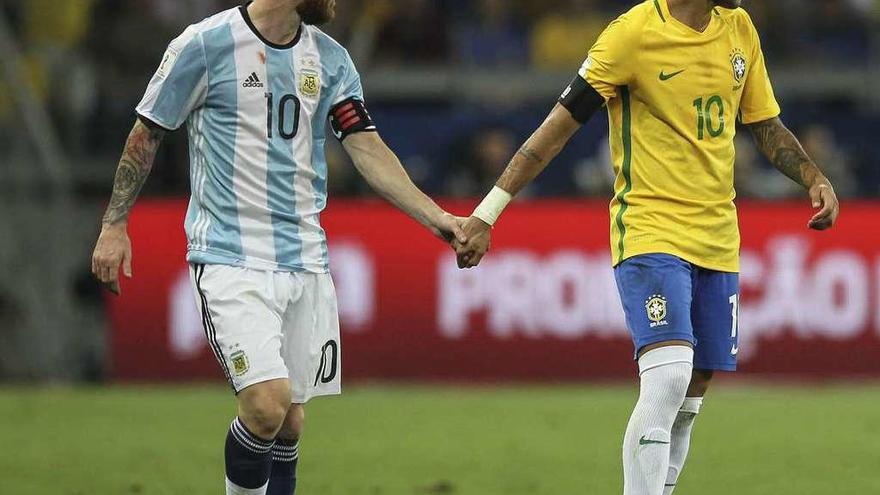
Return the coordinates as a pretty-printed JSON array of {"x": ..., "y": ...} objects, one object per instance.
[
  {"x": 242, "y": 323},
  {"x": 655, "y": 291},
  {"x": 311, "y": 341},
  {"x": 714, "y": 315}
]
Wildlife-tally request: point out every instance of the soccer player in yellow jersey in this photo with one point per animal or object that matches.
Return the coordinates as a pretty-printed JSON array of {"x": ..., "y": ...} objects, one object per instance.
[{"x": 675, "y": 76}]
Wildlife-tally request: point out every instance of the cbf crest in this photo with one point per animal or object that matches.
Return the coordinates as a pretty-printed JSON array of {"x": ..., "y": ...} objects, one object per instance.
[
  {"x": 740, "y": 65},
  {"x": 656, "y": 308}
]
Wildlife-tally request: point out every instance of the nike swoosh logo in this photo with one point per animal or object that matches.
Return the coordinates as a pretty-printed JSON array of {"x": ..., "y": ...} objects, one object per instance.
[
  {"x": 737, "y": 87},
  {"x": 734, "y": 350},
  {"x": 645, "y": 441},
  {"x": 665, "y": 77}
]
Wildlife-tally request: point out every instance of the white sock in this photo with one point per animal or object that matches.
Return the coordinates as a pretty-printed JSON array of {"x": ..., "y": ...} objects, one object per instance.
[
  {"x": 681, "y": 440},
  {"x": 233, "y": 489},
  {"x": 665, "y": 375}
]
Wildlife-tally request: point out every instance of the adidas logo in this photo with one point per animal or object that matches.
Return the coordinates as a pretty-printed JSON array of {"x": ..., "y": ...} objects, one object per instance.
[{"x": 252, "y": 82}]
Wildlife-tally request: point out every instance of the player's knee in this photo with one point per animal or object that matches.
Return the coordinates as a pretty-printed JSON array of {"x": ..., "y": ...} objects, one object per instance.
[
  {"x": 264, "y": 408},
  {"x": 676, "y": 365},
  {"x": 676, "y": 380},
  {"x": 293, "y": 423},
  {"x": 265, "y": 416},
  {"x": 699, "y": 383}
]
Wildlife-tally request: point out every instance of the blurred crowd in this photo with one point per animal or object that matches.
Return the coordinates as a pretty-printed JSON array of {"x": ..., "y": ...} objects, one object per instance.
[
  {"x": 555, "y": 33},
  {"x": 89, "y": 61}
]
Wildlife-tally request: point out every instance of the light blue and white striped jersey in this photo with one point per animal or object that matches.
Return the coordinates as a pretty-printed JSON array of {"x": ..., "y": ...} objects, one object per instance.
[{"x": 256, "y": 113}]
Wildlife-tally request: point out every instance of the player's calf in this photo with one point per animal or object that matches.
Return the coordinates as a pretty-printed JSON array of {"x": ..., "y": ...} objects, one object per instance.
[
  {"x": 285, "y": 453},
  {"x": 684, "y": 425},
  {"x": 251, "y": 438},
  {"x": 292, "y": 427},
  {"x": 680, "y": 440}
]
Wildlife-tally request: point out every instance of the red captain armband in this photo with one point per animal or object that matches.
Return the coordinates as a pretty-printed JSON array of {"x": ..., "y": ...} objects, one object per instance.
[{"x": 350, "y": 116}]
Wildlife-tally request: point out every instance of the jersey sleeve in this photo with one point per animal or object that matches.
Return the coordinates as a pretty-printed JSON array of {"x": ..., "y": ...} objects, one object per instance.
[
  {"x": 610, "y": 61},
  {"x": 348, "y": 112},
  {"x": 349, "y": 86},
  {"x": 758, "y": 101},
  {"x": 180, "y": 83}
]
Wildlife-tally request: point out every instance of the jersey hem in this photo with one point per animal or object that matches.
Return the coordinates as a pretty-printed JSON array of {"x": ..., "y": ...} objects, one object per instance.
[
  {"x": 664, "y": 337},
  {"x": 212, "y": 257},
  {"x": 694, "y": 260},
  {"x": 761, "y": 116},
  {"x": 713, "y": 366},
  {"x": 153, "y": 120}
]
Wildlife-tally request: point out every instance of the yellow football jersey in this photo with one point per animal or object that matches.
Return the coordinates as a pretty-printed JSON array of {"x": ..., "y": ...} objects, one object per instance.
[{"x": 673, "y": 94}]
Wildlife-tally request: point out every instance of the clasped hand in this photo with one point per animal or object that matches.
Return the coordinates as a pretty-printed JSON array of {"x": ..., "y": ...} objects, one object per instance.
[
  {"x": 469, "y": 237},
  {"x": 479, "y": 239}
]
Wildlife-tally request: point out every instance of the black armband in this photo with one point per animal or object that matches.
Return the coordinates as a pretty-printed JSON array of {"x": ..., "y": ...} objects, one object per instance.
[
  {"x": 581, "y": 99},
  {"x": 350, "y": 116}
]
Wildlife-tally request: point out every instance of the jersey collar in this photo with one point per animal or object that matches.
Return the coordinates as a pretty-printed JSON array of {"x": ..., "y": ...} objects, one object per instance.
[
  {"x": 667, "y": 17},
  {"x": 250, "y": 23}
]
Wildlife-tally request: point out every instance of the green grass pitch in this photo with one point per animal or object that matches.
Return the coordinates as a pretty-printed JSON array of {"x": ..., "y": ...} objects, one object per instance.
[{"x": 377, "y": 440}]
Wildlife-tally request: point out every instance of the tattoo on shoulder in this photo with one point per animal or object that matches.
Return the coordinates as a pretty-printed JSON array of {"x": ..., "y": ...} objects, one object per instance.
[
  {"x": 530, "y": 154},
  {"x": 134, "y": 167}
]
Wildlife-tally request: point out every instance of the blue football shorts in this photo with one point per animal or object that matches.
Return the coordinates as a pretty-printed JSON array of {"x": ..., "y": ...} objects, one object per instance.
[{"x": 667, "y": 298}]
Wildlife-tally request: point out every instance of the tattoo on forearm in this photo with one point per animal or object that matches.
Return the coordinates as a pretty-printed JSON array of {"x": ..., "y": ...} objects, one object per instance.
[
  {"x": 134, "y": 167},
  {"x": 521, "y": 170},
  {"x": 539, "y": 150},
  {"x": 529, "y": 153},
  {"x": 784, "y": 151}
]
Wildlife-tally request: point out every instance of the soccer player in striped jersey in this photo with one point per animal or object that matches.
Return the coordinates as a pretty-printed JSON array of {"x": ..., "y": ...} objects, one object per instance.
[
  {"x": 674, "y": 74},
  {"x": 256, "y": 86}
]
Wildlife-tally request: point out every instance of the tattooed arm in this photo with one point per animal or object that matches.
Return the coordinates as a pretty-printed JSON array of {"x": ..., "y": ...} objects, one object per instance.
[
  {"x": 539, "y": 150},
  {"x": 134, "y": 167},
  {"x": 785, "y": 152},
  {"x": 113, "y": 247}
]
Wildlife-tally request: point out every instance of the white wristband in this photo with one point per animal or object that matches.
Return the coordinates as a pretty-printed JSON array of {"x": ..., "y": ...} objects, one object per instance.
[{"x": 492, "y": 206}]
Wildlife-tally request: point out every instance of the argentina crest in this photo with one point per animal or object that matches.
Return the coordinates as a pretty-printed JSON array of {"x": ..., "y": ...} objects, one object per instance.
[
  {"x": 739, "y": 64},
  {"x": 240, "y": 364},
  {"x": 309, "y": 83},
  {"x": 656, "y": 309}
]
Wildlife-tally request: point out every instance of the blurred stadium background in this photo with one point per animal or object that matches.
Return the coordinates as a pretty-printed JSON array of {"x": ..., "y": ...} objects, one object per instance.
[{"x": 455, "y": 86}]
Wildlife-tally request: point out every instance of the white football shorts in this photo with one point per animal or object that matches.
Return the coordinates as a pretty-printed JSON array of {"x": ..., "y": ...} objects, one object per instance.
[{"x": 264, "y": 325}]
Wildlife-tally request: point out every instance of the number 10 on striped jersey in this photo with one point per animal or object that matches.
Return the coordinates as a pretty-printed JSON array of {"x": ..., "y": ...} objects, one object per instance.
[{"x": 284, "y": 111}]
